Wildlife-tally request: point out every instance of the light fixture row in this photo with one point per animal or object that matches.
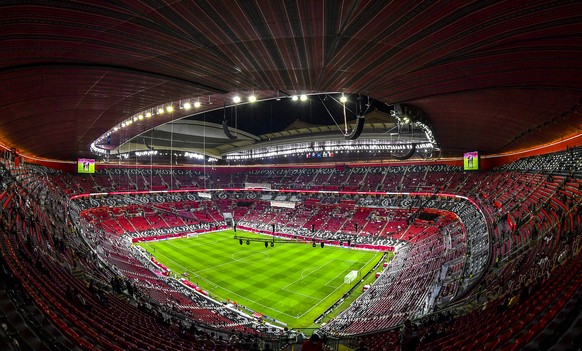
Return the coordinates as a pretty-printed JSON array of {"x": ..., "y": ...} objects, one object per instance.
[
  {"x": 301, "y": 97},
  {"x": 252, "y": 98},
  {"x": 159, "y": 111},
  {"x": 188, "y": 105}
]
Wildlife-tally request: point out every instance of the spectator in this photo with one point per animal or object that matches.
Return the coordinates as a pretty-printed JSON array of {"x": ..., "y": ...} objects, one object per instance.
[
  {"x": 362, "y": 347},
  {"x": 408, "y": 337},
  {"x": 314, "y": 343}
]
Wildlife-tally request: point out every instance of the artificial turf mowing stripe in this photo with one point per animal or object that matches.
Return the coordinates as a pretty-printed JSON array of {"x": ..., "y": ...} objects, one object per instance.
[{"x": 293, "y": 283}]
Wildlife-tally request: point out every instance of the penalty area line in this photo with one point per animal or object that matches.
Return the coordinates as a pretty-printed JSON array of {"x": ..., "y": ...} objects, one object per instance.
[
  {"x": 331, "y": 293},
  {"x": 230, "y": 291}
]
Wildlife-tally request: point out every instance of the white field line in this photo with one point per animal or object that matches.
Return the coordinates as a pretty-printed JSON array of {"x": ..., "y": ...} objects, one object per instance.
[
  {"x": 230, "y": 291},
  {"x": 234, "y": 260},
  {"x": 194, "y": 244},
  {"x": 284, "y": 288},
  {"x": 332, "y": 291}
]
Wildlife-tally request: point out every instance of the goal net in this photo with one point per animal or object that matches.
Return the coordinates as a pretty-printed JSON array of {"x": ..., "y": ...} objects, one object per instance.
[{"x": 350, "y": 277}]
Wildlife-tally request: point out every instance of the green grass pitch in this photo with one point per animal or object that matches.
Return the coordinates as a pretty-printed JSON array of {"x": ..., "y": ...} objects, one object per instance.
[{"x": 293, "y": 283}]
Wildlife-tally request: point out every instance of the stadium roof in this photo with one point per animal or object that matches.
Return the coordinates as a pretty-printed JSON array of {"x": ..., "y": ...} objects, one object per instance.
[{"x": 491, "y": 76}]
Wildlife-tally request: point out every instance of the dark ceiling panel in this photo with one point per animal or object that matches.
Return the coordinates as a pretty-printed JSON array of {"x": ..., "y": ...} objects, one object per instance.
[
  {"x": 70, "y": 71},
  {"x": 488, "y": 121}
]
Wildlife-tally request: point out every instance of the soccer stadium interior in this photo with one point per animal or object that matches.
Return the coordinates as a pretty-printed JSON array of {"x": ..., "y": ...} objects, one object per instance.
[{"x": 422, "y": 159}]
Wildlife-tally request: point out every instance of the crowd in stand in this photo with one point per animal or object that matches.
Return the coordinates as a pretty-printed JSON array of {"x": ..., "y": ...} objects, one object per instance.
[{"x": 528, "y": 213}]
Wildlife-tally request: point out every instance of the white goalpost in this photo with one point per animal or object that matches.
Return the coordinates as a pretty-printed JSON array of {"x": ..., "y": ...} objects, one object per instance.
[{"x": 350, "y": 277}]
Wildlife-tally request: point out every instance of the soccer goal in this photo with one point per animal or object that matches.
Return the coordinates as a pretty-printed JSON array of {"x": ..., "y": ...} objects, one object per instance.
[{"x": 350, "y": 277}]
